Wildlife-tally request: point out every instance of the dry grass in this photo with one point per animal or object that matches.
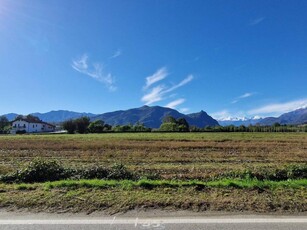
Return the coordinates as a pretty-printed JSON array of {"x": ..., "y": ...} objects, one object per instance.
[
  {"x": 117, "y": 199},
  {"x": 176, "y": 155}
]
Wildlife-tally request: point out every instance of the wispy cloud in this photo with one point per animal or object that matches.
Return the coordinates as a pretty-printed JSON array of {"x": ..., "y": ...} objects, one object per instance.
[
  {"x": 225, "y": 115},
  {"x": 174, "y": 104},
  {"x": 155, "y": 95},
  {"x": 279, "y": 108},
  {"x": 116, "y": 54},
  {"x": 159, "y": 75},
  {"x": 221, "y": 115},
  {"x": 257, "y": 21},
  {"x": 182, "y": 83},
  {"x": 246, "y": 95},
  {"x": 184, "y": 110},
  {"x": 81, "y": 65},
  {"x": 159, "y": 92}
]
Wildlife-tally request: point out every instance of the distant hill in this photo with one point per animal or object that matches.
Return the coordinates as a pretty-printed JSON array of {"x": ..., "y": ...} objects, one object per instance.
[
  {"x": 152, "y": 116},
  {"x": 149, "y": 116},
  {"x": 201, "y": 119},
  {"x": 240, "y": 121},
  {"x": 53, "y": 116},
  {"x": 295, "y": 117},
  {"x": 60, "y": 115},
  {"x": 10, "y": 116}
]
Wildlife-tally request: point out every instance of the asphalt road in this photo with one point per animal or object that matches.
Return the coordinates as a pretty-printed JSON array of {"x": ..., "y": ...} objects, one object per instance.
[{"x": 18, "y": 222}]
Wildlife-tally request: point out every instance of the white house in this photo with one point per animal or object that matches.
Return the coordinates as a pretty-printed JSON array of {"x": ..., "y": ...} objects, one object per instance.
[{"x": 31, "y": 126}]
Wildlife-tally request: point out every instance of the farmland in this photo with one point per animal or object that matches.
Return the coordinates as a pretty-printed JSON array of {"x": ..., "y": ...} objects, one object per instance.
[{"x": 198, "y": 171}]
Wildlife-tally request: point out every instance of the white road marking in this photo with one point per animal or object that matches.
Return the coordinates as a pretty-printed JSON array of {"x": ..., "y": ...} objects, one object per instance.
[
  {"x": 144, "y": 221},
  {"x": 112, "y": 222},
  {"x": 136, "y": 222}
]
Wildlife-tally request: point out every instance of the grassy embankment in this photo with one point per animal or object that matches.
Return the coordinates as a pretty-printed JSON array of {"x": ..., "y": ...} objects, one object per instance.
[{"x": 199, "y": 171}]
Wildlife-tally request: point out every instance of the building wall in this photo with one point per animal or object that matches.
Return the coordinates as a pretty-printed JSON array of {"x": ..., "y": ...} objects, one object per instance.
[{"x": 31, "y": 127}]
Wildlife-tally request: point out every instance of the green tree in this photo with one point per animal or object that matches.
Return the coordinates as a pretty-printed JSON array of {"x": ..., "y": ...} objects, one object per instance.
[
  {"x": 19, "y": 117},
  {"x": 138, "y": 127},
  {"x": 107, "y": 128},
  {"x": 4, "y": 123},
  {"x": 242, "y": 128},
  {"x": 32, "y": 118},
  {"x": 169, "y": 119},
  {"x": 183, "y": 125},
  {"x": 123, "y": 128},
  {"x": 82, "y": 124},
  {"x": 70, "y": 126},
  {"x": 96, "y": 126},
  {"x": 169, "y": 127},
  {"x": 276, "y": 124}
]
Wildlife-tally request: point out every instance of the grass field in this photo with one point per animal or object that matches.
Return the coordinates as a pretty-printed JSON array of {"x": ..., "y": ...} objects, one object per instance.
[{"x": 198, "y": 171}]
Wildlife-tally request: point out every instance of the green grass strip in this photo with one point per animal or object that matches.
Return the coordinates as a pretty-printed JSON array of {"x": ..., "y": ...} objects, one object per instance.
[{"x": 150, "y": 184}]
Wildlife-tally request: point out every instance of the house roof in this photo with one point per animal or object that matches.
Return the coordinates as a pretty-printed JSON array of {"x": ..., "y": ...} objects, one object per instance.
[{"x": 33, "y": 121}]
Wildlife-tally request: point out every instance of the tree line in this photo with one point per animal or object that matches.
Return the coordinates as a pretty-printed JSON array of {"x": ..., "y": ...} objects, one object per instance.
[
  {"x": 83, "y": 125},
  {"x": 170, "y": 124}
]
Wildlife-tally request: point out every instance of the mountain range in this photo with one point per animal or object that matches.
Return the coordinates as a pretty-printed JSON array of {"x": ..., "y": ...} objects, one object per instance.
[
  {"x": 53, "y": 116},
  {"x": 298, "y": 116},
  {"x": 295, "y": 117},
  {"x": 152, "y": 116},
  {"x": 240, "y": 121}
]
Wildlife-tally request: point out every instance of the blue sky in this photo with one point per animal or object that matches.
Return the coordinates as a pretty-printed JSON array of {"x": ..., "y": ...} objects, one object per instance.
[{"x": 229, "y": 58}]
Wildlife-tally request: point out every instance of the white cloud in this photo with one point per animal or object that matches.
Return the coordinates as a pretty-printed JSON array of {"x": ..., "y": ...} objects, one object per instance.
[
  {"x": 279, "y": 108},
  {"x": 116, "y": 54},
  {"x": 221, "y": 115},
  {"x": 157, "y": 93},
  {"x": 81, "y": 65},
  {"x": 154, "y": 95},
  {"x": 159, "y": 75},
  {"x": 246, "y": 95},
  {"x": 182, "y": 83},
  {"x": 184, "y": 110},
  {"x": 225, "y": 115},
  {"x": 161, "y": 91},
  {"x": 256, "y": 21},
  {"x": 174, "y": 104}
]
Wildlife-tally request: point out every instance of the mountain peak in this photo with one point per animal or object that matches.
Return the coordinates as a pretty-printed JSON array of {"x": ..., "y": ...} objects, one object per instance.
[{"x": 152, "y": 117}]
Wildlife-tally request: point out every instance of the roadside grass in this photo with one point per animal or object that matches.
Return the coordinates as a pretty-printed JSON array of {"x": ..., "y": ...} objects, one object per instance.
[
  {"x": 219, "y": 136},
  {"x": 120, "y": 196},
  {"x": 150, "y": 184}
]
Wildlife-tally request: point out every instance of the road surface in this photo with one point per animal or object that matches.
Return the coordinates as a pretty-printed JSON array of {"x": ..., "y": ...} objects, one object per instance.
[{"x": 21, "y": 221}]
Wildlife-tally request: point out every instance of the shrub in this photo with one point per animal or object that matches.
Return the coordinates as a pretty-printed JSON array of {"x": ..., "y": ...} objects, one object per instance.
[
  {"x": 297, "y": 172},
  {"x": 97, "y": 172},
  {"x": 120, "y": 172},
  {"x": 38, "y": 171},
  {"x": 41, "y": 171},
  {"x": 21, "y": 131},
  {"x": 8, "y": 178}
]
